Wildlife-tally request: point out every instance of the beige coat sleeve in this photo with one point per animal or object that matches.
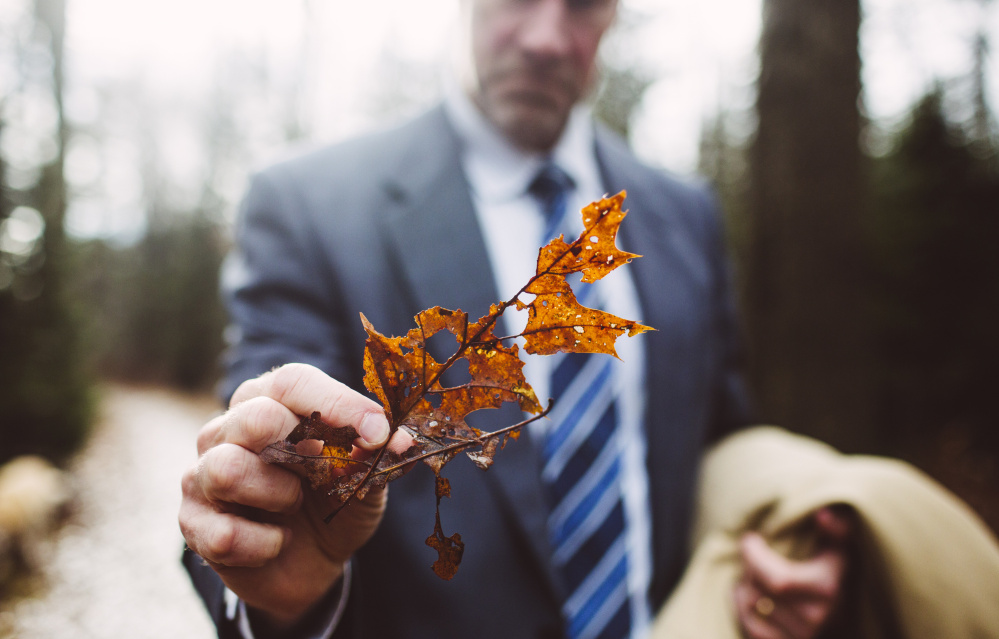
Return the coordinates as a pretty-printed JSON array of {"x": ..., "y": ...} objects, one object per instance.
[{"x": 929, "y": 566}]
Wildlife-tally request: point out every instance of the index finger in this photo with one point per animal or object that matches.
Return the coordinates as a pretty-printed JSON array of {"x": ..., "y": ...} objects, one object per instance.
[
  {"x": 304, "y": 389},
  {"x": 252, "y": 424}
]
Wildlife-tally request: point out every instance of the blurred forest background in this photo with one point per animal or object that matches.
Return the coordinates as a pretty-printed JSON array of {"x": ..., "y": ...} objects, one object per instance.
[{"x": 866, "y": 252}]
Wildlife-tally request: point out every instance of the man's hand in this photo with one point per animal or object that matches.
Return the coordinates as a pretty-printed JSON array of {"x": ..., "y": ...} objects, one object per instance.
[
  {"x": 252, "y": 521},
  {"x": 778, "y": 598}
]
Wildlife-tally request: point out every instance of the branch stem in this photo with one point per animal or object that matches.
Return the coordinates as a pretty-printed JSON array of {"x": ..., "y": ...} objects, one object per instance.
[{"x": 458, "y": 446}]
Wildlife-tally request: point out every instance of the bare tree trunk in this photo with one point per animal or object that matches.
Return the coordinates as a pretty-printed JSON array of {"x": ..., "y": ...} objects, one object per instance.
[
  {"x": 808, "y": 339},
  {"x": 44, "y": 386}
]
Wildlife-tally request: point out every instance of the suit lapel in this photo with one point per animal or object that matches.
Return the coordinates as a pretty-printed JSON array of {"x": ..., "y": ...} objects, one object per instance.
[
  {"x": 433, "y": 230},
  {"x": 650, "y": 236},
  {"x": 431, "y": 225},
  {"x": 643, "y": 233},
  {"x": 438, "y": 252}
]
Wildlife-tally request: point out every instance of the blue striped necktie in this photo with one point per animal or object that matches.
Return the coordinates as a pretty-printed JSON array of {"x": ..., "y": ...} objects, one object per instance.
[{"x": 581, "y": 469}]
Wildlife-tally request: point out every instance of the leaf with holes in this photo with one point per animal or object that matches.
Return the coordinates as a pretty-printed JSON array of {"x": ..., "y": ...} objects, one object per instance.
[{"x": 410, "y": 385}]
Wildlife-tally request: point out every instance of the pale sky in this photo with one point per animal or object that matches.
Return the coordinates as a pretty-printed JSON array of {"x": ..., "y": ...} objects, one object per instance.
[
  {"x": 703, "y": 50},
  {"x": 330, "y": 56}
]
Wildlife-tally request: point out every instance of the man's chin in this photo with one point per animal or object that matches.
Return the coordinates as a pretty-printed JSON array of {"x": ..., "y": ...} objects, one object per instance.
[{"x": 532, "y": 125}]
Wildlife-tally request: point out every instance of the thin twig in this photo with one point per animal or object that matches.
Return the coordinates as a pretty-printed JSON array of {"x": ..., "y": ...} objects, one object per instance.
[
  {"x": 427, "y": 384},
  {"x": 466, "y": 443}
]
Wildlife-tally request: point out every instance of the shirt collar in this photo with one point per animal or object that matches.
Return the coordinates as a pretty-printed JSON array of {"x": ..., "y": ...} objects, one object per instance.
[{"x": 499, "y": 171}]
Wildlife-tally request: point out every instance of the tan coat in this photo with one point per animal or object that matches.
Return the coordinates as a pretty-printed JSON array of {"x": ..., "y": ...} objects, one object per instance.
[{"x": 930, "y": 567}]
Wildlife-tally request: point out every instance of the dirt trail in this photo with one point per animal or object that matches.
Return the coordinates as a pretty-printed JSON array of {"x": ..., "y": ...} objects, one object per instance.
[{"x": 113, "y": 570}]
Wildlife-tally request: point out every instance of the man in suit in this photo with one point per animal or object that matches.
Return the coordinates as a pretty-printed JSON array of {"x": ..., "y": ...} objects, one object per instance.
[{"x": 433, "y": 213}]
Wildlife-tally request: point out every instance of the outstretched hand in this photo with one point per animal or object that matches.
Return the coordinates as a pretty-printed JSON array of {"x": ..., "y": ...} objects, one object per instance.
[
  {"x": 778, "y": 598},
  {"x": 254, "y": 523}
]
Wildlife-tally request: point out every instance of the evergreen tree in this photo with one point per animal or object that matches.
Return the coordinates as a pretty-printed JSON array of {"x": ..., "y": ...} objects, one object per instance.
[
  {"x": 935, "y": 228},
  {"x": 44, "y": 387}
]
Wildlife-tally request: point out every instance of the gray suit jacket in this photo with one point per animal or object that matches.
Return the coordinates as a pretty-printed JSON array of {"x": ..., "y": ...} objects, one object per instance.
[{"x": 385, "y": 226}]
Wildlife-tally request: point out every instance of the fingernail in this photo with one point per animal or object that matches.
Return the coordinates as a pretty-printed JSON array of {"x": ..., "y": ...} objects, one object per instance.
[{"x": 374, "y": 429}]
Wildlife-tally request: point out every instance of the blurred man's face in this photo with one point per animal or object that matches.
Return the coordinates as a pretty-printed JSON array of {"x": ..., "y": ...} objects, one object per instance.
[{"x": 534, "y": 59}]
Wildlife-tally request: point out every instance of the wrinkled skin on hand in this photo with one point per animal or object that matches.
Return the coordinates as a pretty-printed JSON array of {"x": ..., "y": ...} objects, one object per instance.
[{"x": 253, "y": 522}]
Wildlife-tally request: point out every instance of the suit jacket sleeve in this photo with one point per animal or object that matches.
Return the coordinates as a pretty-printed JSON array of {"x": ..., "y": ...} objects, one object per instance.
[{"x": 279, "y": 311}]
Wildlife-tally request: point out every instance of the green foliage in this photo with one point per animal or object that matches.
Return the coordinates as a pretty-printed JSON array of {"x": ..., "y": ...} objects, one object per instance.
[
  {"x": 155, "y": 311},
  {"x": 932, "y": 228},
  {"x": 45, "y": 386},
  {"x": 934, "y": 232},
  {"x": 44, "y": 391}
]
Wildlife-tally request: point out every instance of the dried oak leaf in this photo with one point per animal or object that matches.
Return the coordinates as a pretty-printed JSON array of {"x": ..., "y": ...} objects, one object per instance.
[
  {"x": 449, "y": 550},
  {"x": 323, "y": 450},
  {"x": 557, "y": 322},
  {"x": 595, "y": 252},
  {"x": 405, "y": 377},
  {"x": 407, "y": 380}
]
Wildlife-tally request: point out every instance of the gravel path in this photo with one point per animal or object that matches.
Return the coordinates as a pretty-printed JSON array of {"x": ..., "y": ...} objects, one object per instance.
[{"x": 113, "y": 571}]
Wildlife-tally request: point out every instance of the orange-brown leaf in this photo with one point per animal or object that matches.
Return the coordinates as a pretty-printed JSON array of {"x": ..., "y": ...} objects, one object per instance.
[
  {"x": 323, "y": 450},
  {"x": 400, "y": 372},
  {"x": 408, "y": 381},
  {"x": 396, "y": 370},
  {"x": 498, "y": 370},
  {"x": 594, "y": 253},
  {"x": 557, "y": 322},
  {"x": 449, "y": 551}
]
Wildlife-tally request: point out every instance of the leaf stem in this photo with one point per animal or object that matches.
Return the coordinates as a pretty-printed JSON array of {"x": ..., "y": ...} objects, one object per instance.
[
  {"x": 428, "y": 383},
  {"x": 458, "y": 446},
  {"x": 357, "y": 487}
]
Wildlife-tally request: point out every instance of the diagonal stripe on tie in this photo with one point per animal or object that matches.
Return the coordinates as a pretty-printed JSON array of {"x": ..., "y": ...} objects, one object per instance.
[
  {"x": 581, "y": 468},
  {"x": 577, "y": 414},
  {"x": 585, "y": 518}
]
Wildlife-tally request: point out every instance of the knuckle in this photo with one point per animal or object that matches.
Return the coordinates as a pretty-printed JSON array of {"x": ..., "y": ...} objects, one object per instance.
[
  {"x": 247, "y": 390},
  {"x": 208, "y": 433},
  {"x": 194, "y": 525},
  {"x": 774, "y": 578},
  {"x": 261, "y": 423},
  {"x": 780, "y": 582},
  {"x": 220, "y": 542},
  {"x": 224, "y": 471},
  {"x": 185, "y": 519},
  {"x": 204, "y": 440},
  {"x": 285, "y": 379},
  {"x": 189, "y": 483}
]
